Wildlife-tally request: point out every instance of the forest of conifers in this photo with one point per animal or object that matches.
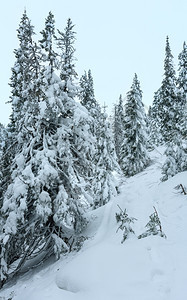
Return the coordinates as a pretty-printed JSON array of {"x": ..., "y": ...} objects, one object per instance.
[{"x": 60, "y": 152}]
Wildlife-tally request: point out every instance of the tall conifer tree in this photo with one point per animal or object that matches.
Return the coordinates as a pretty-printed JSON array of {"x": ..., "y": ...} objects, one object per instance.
[
  {"x": 43, "y": 203},
  {"x": 134, "y": 157},
  {"x": 105, "y": 161}
]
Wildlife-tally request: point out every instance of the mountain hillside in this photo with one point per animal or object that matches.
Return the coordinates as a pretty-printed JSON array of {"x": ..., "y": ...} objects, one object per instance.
[{"x": 106, "y": 269}]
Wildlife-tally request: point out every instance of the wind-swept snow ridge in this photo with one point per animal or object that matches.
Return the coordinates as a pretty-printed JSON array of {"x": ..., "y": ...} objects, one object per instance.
[{"x": 152, "y": 268}]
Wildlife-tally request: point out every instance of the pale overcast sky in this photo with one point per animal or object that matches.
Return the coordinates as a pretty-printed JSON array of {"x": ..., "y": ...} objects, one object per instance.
[{"x": 115, "y": 39}]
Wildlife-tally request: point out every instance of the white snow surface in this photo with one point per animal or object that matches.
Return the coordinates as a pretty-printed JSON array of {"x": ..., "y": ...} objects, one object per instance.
[{"x": 151, "y": 268}]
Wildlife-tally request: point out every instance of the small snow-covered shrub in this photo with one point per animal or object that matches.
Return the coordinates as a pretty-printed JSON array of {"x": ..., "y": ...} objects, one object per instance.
[
  {"x": 125, "y": 223},
  {"x": 181, "y": 188},
  {"x": 154, "y": 226}
]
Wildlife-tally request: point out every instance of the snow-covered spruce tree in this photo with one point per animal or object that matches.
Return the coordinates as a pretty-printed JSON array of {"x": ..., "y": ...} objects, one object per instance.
[
  {"x": 105, "y": 161},
  {"x": 21, "y": 84},
  {"x": 82, "y": 140},
  {"x": 2, "y": 145},
  {"x": 19, "y": 81},
  {"x": 7, "y": 152},
  {"x": 154, "y": 125},
  {"x": 133, "y": 156},
  {"x": 149, "y": 129},
  {"x": 181, "y": 156},
  {"x": 26, "y": 63},
  {"x": 169, "y": 109},
  {"x": 182, "y": 77},
  {"x": 43, "y": 203},
  {"x": 46, "y": 43},
  {"x": 182, "y": 89},
  {"x": 5, "y": 159},
  {"x": 169, "y": 168},
  {"x": 87, "y": 96},
  {"x": 65, "y": 40},
  {"x": 118, "y": 125},
  {"x": 176, "y": 159},
  {"x": 149, "y": 114},
  {"x": 87, "y": 99},
  {"x": 2, "y": 137}
]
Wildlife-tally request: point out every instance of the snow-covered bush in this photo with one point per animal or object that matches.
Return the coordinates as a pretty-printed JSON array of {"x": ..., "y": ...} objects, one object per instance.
[
  {"x": 125, "y": 223},
  {"x": 153, "y": 226}
]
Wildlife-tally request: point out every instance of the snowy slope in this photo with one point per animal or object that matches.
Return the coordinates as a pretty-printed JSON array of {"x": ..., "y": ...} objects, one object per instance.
[{"x": 152, "y": 268}]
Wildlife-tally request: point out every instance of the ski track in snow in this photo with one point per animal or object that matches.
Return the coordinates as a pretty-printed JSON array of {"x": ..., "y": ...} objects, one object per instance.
[{"x": 152, "y": 268}]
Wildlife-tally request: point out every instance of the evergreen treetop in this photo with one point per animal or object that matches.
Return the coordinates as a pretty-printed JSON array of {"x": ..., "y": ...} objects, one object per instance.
[
  {"x": 168, "y": 101},
  {"x": 169, "y": 71},
  {"x": 87, "y": 96},
  {"x": 46, "y": 42},
  {"x": 65, "y": 43}
]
